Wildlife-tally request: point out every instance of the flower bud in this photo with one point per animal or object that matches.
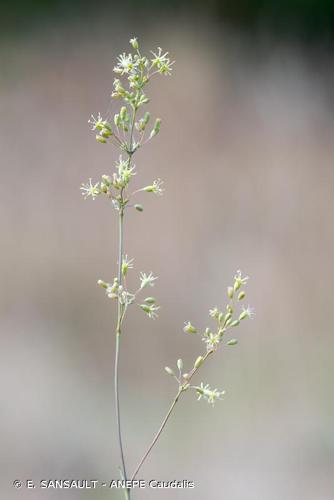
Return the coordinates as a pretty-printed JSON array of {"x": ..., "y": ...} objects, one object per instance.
[
  {"x": 102, "y": 283},
  {"x": 146, "y": 117},
  {"x": 139, "y": 208},
  {"x": 156, "y": 128},
  {"x": 123, "y": 113},
  {"x": 232, "y": 342},
  {"x": 101, "y": 139},
  {"x": 106, "y": 179},
  {"x": 198, "y": 362},
  {"x": 228, "y": 316},
  {"x": 104, "y": 188},
  {"x": 117, "y": 120},
  {"x": 230, "y": 292},
  {"x": 241, "y": 295},
  {"x": 145, "y": 308},
  {"x": 169, "y": 371},
  {"x": 134, "y": 43},
  {"x": 150, "y": 300},
  {"x": 236, "y": 322},
  {"x": 180, "y": 364},
  {"x": 186, "y": 376}
]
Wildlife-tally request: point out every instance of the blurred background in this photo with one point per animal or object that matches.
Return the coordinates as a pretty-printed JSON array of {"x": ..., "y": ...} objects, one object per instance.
[{"x": 246, "y": 152}]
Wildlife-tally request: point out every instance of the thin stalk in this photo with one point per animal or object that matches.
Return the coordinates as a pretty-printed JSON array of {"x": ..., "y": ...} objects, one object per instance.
[
  {"x": 183, "y": 387},
  {"x": 117, "y": 350}
]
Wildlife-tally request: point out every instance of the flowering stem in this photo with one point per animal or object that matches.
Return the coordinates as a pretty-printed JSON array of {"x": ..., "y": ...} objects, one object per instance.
[
  {"x": 117, "y": 350},
  {"x": 183, "y": 387}
]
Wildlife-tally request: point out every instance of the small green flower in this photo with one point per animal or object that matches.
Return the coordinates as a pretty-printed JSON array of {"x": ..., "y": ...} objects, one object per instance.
[
  {"x": 126, "y": 264},
  {"x": 150, "y": 310}
]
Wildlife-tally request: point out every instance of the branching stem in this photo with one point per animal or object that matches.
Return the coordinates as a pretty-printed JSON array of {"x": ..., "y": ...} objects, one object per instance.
[{"x": 183, "y": 387}]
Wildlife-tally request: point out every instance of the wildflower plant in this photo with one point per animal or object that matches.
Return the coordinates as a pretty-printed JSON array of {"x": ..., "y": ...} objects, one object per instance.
[{"x": 131, "y": 128}]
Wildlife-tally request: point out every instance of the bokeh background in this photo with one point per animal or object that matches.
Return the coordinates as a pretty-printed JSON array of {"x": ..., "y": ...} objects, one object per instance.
[{"x": 246, "y": 152}]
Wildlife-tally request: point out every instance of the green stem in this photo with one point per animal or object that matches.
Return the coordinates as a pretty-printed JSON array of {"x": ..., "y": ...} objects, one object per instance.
[
  {"x": 117, "y": 350},
  {"x": 183, "y": 387}
]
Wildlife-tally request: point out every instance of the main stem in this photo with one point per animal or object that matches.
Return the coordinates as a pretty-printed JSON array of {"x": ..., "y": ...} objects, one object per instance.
[
  {"x": 117, "y": 350},
  {"x": 120, "y": 312}
]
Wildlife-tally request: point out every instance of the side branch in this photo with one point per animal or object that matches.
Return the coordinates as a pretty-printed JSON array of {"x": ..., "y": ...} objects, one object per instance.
[{"x": 183, "y": 387}]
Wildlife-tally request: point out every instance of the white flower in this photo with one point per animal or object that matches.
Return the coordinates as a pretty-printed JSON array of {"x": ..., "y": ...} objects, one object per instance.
[
  {"x": 211, "y": 395},
  {"x": 97, "y": 123},
  {"x": 214, "y": 313},
  {"x": 239, "y": 280},
  {"x": 147, "y": 280},
  {"x": 247, "y": 312},
  {"x": 211, "y": 339},
  {"x": 189, "y": 328},
  {"x": 125, "y": 64},
  {"x": 155, "y": 188},
  {"x": 162, "y": 62},
  {"x": 90, "y": 189}
]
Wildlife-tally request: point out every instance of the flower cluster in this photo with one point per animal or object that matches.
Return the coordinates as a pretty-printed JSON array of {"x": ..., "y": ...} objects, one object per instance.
[
  {"x": 128, "y": 126},
  {"x": 119, "y": 292},
  {"x": 225, "y": 320}
]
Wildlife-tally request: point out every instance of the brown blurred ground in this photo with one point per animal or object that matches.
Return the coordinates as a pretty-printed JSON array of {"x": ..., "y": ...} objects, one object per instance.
[{"x": 246, "y": 153}]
